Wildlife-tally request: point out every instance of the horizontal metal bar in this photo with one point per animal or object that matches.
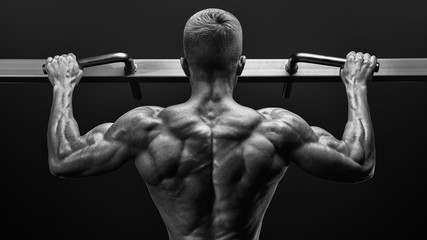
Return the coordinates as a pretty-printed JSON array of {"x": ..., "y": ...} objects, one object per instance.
[
  {"x": 292, "y": 65},
  {"x": 256, "y": 70},
  {"x": 105, "y": 59}
]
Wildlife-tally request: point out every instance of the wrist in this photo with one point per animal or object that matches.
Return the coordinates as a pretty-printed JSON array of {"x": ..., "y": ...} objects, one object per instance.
[
  {"x": 64, "y": 81},
  {"x": 62, "y": 88},
  {"x": 356, "y": 88}
]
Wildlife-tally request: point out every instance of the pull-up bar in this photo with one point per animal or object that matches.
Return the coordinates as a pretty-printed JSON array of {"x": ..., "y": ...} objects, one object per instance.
[
  {"x": 292, "y": 67},
  {"x": 311, "y": 69}
]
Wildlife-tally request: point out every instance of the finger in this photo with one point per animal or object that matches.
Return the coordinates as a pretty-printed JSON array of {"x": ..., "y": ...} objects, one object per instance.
[
  {"x": 72, "y": 55},
  {"x": 359, "y": 59},
  {"x": 74, "y": 63},
  {"x": 55, "y": 59},
  {"x": 359, "y": 56},
  {"x": 63, "y": 58},
  {"x": 373, "y": 61},
  {"x": 48, "y": 64},
  {"x": 70, "y": 59},
  {"x": 351, "y": 54},
  {"x": 54, "y": 63},
  {"x": 366, "y": 57}
]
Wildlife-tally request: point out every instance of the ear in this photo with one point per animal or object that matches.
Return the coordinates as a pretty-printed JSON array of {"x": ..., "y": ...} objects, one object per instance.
[
  {"x": 241, "y": 65},
  {"x": 184, "y": 65}
]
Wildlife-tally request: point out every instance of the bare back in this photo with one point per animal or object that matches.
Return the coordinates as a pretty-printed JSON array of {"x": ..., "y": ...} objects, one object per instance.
[
  {"x": 210, "y": 164},
  {"x": 211, "y": 177}
]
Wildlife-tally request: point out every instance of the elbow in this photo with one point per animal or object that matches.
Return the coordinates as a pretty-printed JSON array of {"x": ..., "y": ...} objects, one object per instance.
[
  {"x": 61, "y": 160},
  {"x": 365, "y": 164},
  {"x": 366, "y": 175},
  {"x": 360, "y": 177},
  {"x": 365, "y": 171},
  {"x": 58, "y": 169},
  {"x": 370, "y": 170},
  {"x": 368, "y": 166},
  {"x": 56, "y": 173},
  {"x": 57, "y": 163}
]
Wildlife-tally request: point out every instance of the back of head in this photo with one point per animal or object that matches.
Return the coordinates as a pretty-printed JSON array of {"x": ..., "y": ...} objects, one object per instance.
[{"x": 213, "y": 40}]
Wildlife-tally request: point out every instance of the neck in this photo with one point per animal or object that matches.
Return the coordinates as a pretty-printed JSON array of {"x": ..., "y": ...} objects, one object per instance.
[
  {"x": 211, "y": 94},
  {"x": 212, "y": 87}
]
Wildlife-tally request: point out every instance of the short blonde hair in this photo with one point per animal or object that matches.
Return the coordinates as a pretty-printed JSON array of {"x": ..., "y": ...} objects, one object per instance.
[{"x": 212, "y": 39}]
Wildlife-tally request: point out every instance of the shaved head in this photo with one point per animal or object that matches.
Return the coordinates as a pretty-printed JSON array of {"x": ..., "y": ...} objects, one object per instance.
[{"x": 213, "y": 40}]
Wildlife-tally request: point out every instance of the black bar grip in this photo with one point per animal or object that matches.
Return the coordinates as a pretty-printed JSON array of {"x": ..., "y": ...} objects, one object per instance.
[
  {"x": 130, "y": 66},
  {"x": 292, "y": 67}
]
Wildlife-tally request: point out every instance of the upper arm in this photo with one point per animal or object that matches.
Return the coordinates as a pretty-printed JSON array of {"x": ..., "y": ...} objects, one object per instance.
[
  {"x": 108, "y": 146},
  {"x": 315, "y": 150}
]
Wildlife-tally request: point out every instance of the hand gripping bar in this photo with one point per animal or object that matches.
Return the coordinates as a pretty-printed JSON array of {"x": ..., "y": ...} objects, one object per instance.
[
  {"x": 292, "y": 66},
  {"x": 130, "y": 67}
]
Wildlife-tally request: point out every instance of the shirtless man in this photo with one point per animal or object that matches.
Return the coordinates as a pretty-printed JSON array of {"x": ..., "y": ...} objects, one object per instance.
[{"x": 210, "y": 164}]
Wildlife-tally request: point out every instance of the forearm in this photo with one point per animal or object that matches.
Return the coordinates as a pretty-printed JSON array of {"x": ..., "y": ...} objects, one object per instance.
[
  {"x": 63, "y": 131},
  {"x": 70, "y": 154},
  {"x": 359, "y": 133}
]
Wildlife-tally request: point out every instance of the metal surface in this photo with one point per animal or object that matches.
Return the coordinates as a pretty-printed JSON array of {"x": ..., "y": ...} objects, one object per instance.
[
  {"x": 130, "y": 66},
  {"x": 256, "y": 70},
  {"x": 292, "y": 66}
]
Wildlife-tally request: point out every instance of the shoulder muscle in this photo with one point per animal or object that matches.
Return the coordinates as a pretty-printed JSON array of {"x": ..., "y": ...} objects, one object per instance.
[
  {"x": 135, "y": 125},
  {"x": 285, "y": 128}
]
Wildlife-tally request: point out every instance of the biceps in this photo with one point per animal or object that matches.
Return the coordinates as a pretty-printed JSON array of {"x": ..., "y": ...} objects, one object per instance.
[{"x": 325, "y": 162}]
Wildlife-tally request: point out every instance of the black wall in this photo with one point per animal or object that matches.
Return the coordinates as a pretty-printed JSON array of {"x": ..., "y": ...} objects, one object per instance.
[{"x": 117, "y": 205}]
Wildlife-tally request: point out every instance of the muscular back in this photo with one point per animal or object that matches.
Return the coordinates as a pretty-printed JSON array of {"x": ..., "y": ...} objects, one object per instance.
[
  {"x": 212, "y": 165},
  {"x": 211, "y": 176}
]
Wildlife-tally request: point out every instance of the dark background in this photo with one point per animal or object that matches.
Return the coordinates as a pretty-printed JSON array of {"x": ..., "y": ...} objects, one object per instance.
[{"x": 118, "y": 206}]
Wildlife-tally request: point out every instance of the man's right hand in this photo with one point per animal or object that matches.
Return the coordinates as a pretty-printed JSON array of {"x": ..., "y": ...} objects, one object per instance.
[
  {"x": 63, "y": 70},
  {"x": 358, "y": 69}
]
